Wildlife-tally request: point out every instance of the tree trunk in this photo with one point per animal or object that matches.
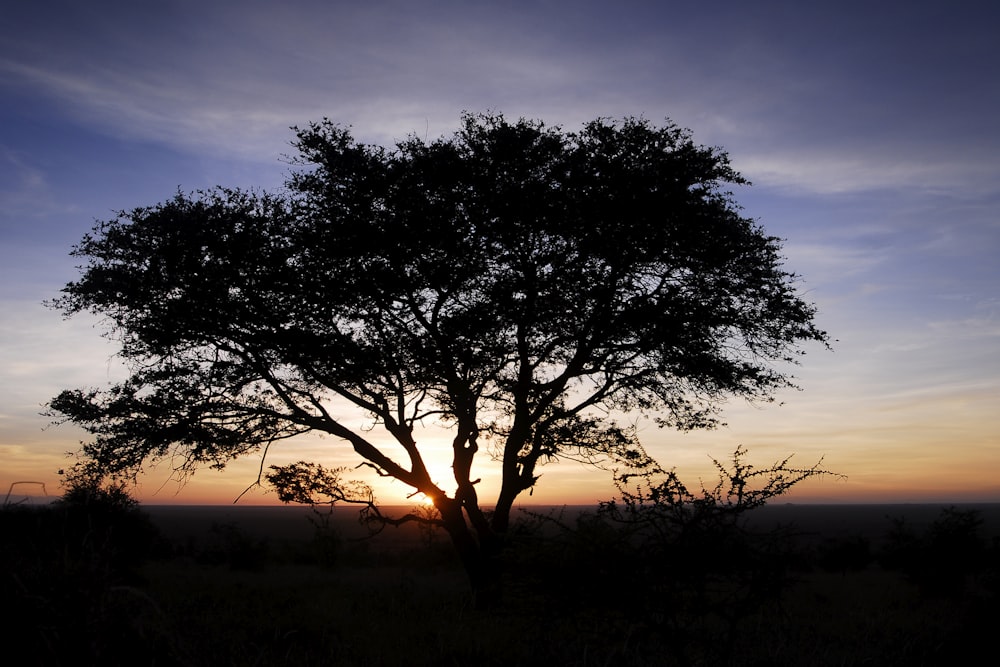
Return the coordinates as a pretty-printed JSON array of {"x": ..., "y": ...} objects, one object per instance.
[
  {"x": 479, "y": 554},
  {"x": 501, "y": 515}
]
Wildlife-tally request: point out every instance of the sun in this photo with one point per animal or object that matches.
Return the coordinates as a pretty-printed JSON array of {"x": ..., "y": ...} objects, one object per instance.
[{"x": 422, "y": 500}]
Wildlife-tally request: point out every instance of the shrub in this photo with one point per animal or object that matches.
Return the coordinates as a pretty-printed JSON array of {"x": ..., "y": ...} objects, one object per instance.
[
  {"x": 944, "y": 555},
  {"x": 683, "y": 568}
]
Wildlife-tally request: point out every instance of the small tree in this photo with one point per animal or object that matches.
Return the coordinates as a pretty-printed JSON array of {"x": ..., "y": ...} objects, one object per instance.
[
  {"x": 697, "y": 567},
  {"x": 694, "y": 554},
  {"x": 515, "y": 282}
]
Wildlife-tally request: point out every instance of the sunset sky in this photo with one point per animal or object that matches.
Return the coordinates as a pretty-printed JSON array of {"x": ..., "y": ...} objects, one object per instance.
[{"x": 869, "y": 130}]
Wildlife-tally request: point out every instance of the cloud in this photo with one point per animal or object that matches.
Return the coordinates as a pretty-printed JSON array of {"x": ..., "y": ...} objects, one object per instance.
[
  {"x": 828, "y": 170},
  {"x": 25, "y": 190},
  {"x": 232, "y": 82},
  {"x": 830, "y": 264},
  {"x": 147, "y": 106}
]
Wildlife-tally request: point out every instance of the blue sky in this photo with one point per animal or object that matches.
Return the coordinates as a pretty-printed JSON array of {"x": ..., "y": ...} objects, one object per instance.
[{"x": 869, "y": 131}]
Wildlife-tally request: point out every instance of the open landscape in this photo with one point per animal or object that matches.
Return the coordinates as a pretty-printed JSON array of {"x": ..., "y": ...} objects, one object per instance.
[
  {"x": 492, "y": 301},
  {"x": 183, "y": 585}
]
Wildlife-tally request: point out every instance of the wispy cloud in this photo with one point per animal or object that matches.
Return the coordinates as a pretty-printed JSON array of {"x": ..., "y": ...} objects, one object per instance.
[
  {"x": 25, "y": 190},
  {"x": 829, "y": 171}
]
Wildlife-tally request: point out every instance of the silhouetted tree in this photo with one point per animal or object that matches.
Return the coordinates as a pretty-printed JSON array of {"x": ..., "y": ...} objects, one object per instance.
[{"x": 515, "y": 282}]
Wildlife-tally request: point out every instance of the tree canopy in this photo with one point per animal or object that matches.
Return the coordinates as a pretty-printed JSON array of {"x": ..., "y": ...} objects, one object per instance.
[{"x": 516, "y": 282}]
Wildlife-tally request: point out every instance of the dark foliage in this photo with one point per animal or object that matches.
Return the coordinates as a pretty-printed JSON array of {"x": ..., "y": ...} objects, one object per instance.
[
  {"x": 70, "y": 573},
  {"x": 583, "y": 590},
  {"x": 231, "y": 546},
  {"x": 945, "y": 554},
  {"x": 845, "y": 554},
  {"x": 679, "y": 567}
]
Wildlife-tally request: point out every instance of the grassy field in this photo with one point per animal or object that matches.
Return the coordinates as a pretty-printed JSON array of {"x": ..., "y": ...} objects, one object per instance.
[{"x": 265, "y": 586}]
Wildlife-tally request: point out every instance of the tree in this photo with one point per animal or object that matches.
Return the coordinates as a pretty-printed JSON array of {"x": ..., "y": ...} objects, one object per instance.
[{"x": 518, "y": 283}]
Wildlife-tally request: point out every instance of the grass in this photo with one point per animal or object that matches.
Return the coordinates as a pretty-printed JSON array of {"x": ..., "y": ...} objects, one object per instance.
[
  {"x": 385, "y": 615},
  {"x": 871, "y": 617},
  {"x": 78, "y": 596}
]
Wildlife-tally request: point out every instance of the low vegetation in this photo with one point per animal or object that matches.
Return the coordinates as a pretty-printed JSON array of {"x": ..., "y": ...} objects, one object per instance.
[{"x": 661, "y": 576}]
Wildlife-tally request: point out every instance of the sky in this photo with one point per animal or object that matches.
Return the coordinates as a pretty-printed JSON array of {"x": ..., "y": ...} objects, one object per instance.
[{"x": 869, "y": 132}]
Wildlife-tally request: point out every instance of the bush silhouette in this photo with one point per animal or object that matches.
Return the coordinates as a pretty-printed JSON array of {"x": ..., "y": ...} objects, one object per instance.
[
  {"x": 683, "y": 569},
  {"x": 943, "y": 555},
  {"x": 71, "y": 571},
  {"x": 845, "y": 554}
]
